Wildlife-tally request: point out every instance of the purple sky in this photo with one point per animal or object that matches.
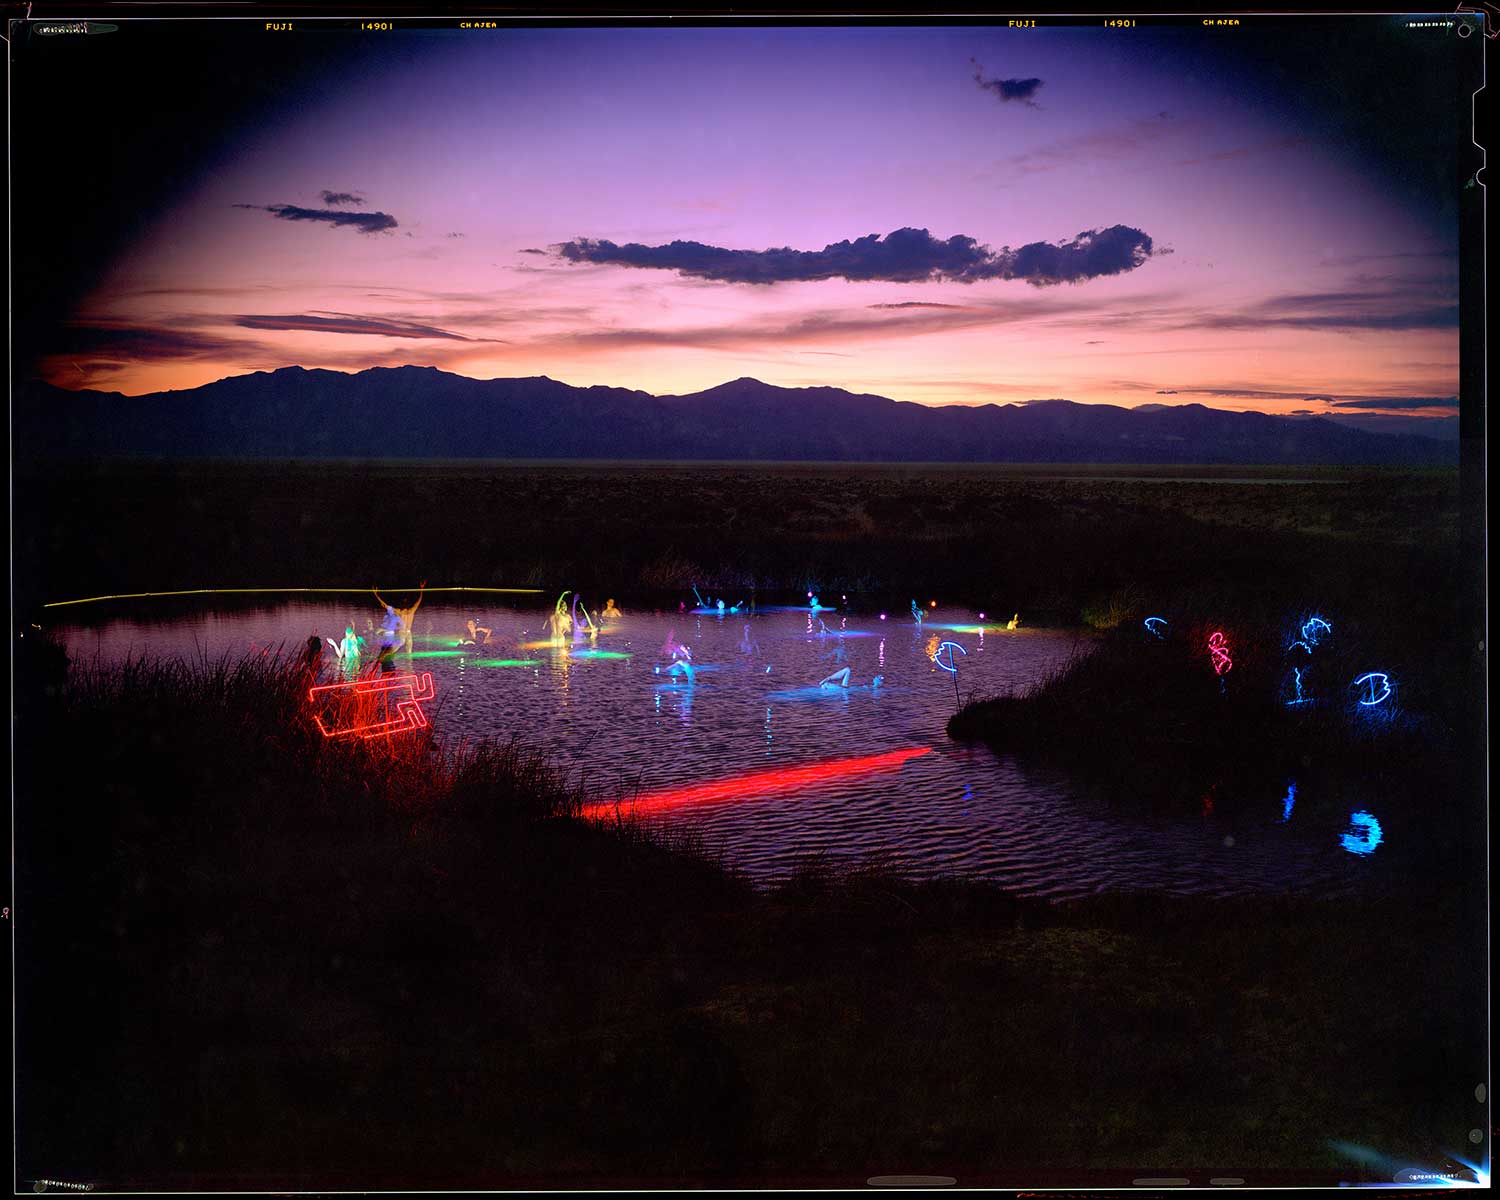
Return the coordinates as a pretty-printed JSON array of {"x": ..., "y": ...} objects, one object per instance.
[{"x": 1240, "y": 259}]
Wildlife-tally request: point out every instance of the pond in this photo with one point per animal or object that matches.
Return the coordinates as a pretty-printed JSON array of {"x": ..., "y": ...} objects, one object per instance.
[{"x": 771, "y": 768}]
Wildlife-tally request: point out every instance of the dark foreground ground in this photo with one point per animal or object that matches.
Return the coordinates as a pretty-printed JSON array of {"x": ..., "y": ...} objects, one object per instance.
[
  {"x": 250, "y": 957},
  {"x": 247, "y": 958}
]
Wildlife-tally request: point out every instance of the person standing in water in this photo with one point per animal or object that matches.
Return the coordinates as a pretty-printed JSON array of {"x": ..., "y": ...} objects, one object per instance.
[
  {"x": 841, "y": 678},
  {"x": 402, "y": 619}
]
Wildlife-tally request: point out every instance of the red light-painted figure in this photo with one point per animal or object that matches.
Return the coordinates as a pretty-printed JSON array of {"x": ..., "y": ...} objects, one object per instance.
[{"x": 371, "y": 708}]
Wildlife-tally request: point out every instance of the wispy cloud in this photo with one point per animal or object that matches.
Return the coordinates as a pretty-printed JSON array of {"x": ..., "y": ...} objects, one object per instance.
[
  {"x": 1120, "y": 141},
  {"x": 1340, "y": 400},
  {"x": 1238, "y": 152},
  {"x": 336, "y": 199},
  {"x": 835, "y": 326},
  {"x": 349, "y": 323},
  {"x": 902, "y": 256},
  {"x": 364, "y": 222}
]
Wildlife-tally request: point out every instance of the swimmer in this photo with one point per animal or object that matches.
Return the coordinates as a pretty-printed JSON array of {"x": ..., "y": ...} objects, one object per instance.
[
  {"x": 610, "y": 610},
  {"x": 474, "y": 630},
  {"x": 748, "y": 645},
  {"x": 672, "y": 648},
  {"x": 350, "y": 646},
  {"x": 578, "y": 625},
  {"x": 916, "y": 613},
  {"x": 681, "y": 668},
  {"x": 841, "y": 677},
  {"x": 1014, "y": 622},
  {"x": 559, "y": 623},
  {"x": 403, "y": 615}
]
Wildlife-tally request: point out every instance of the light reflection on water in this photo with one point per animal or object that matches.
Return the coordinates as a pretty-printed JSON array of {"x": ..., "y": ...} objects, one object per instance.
[{"x": 607, "y": 711}]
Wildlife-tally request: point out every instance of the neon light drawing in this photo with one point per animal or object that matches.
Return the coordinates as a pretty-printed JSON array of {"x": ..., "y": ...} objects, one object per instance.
[
  {"x": 1363, "y": 836},
  {"x": 1300, "y": 698},
  {"x": 404, "y": 693},
  {"x": 761, "y": 783},
  {"x": 1299, "y": 642},
  {"x": 1289, "y": 799},
  {"x": 1157, "y": 626},
  {"x": 1218, "y": 653},
  {"x": 949, "y": 665},
  {"x": 1314, "y": 628},
  {"x": 1378, "y": 692}
]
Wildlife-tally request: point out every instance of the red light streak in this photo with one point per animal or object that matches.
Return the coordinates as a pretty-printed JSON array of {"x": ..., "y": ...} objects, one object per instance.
[
  {"x": 761, "y": 783},
  {"x": 363, "y": 696}
]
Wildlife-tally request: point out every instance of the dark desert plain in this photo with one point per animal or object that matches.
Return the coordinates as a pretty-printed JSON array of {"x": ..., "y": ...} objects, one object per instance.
[{"x": 315, "y": 964}]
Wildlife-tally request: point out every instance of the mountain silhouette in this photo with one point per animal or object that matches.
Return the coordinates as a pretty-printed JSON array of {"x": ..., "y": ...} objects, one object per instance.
[{"x": 421, "y": 412}]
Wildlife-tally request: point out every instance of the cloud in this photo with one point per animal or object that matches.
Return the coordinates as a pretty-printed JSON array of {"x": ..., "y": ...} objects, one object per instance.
[
  {"x": 350, "y": 323},
  {"x": 372, "y": 222},
  {"x": 1406, "y": 402},
  {"x": 333, "y": 199},
  {"x": 453, "y": 235},
  {"x": 830, "y": 327},
  {"x": 916, "y": 304},
  {"x": 103, "y": 342},
  {"x": 1114, "y": 143},
  {"x": 902, "y": 256},
  {"x": 1281, "y": 143},
  {"x": 1337, "y": 400},
  {"x": 1392, "y": 310},
  {"x": 1008, "y": 90}
]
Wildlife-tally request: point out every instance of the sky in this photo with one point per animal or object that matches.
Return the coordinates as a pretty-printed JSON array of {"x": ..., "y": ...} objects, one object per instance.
[{"x": 945, "y": 214}]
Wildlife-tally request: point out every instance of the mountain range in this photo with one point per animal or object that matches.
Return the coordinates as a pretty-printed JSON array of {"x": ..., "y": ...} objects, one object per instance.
[{"x": 421, "y": 412}]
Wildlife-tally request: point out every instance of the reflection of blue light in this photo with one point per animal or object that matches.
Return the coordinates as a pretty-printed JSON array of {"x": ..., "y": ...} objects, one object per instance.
[
  {"x": 1363, "y": 835},
  {"x": 1156, "y": 625},
  {"x": 1379, "y": 692},
  {"x": 1289, "y": 799},
  {"x": 1314, "y": 628},
  {"x": 949, "y": 665}
]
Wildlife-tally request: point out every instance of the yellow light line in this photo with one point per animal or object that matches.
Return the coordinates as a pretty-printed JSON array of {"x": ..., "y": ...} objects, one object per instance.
[{"x": 248, "y": 591}]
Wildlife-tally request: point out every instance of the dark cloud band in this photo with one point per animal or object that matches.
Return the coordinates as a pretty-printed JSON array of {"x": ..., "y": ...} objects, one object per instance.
[
  {"x": 372, "y": 222},
  {"x": 903, "y": 256},
  {"x": 346, "y": 323},
  {"x": 334, "y": 199}
]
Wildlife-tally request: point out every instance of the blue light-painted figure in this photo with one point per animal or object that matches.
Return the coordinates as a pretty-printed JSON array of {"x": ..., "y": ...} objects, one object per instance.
[
  {"x": 1289, "y": 799},
  {"x": 1379, "y": 685},
  {"x": 1314, "y": 628},
  {"x": 1306, "y": 649},
  {"x": 1299, "y": 698},
  {"x": 916, "y": 613},
  {"x": 1157, "y": 626},
  {"x": 1363, "y": 835},
  {"x": 948, "y": 666}
]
